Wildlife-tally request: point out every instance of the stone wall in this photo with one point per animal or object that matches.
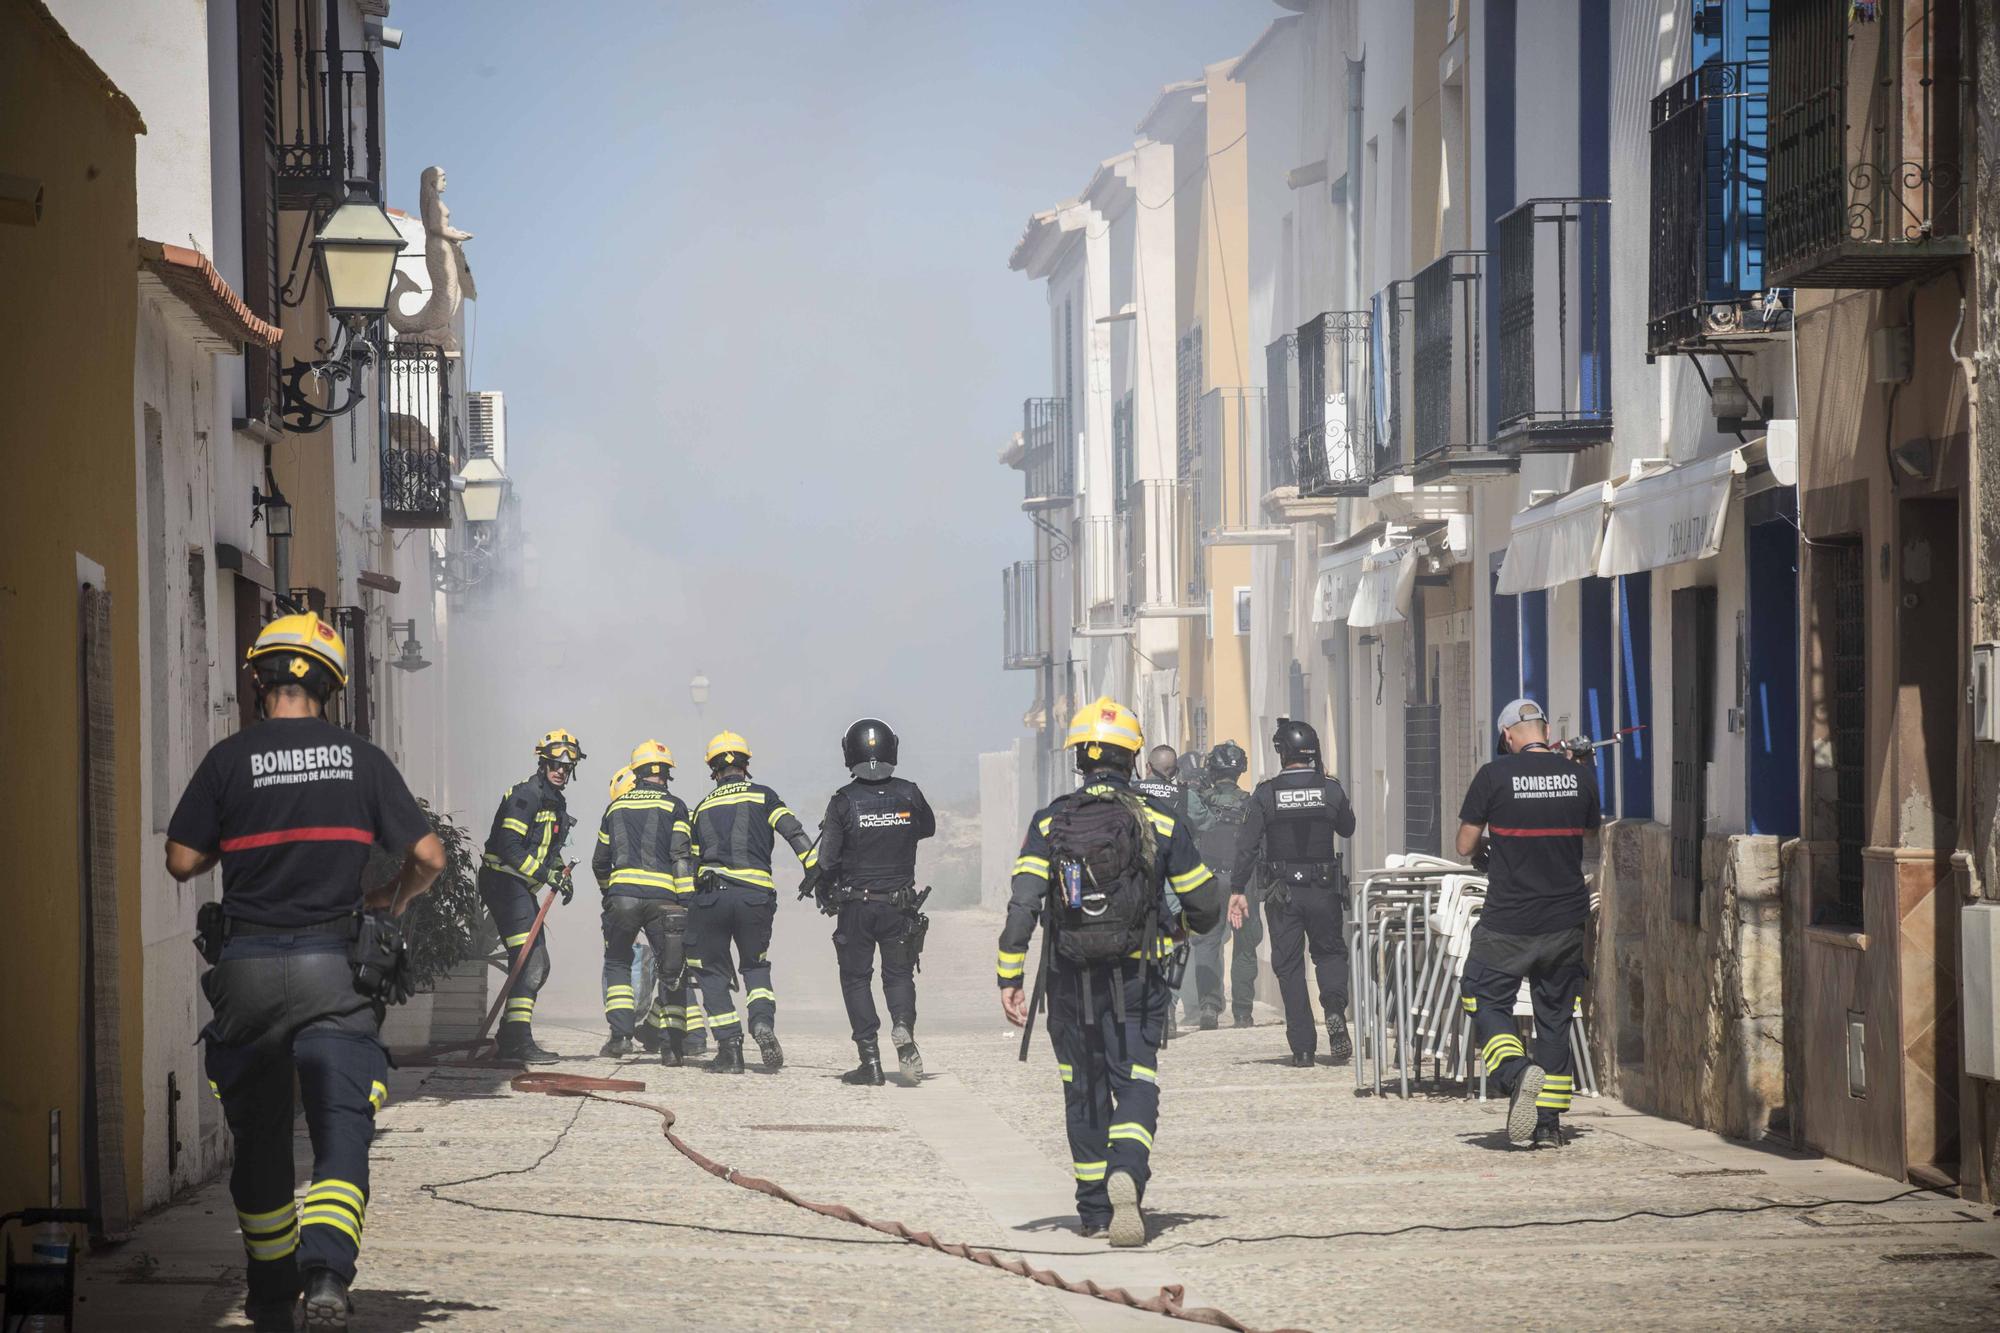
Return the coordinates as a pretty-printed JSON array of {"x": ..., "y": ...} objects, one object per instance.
[{"x": 1688, "y": 1018}]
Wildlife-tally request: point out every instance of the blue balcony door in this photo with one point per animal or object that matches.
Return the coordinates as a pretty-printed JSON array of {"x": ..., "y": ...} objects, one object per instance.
[
  {"x": 1771, "y": 666},
  {"x": 1735, "y": 36}
]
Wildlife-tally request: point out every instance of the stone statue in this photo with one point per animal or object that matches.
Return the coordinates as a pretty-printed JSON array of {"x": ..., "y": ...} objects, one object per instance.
[{"x": 444, "y": 263}]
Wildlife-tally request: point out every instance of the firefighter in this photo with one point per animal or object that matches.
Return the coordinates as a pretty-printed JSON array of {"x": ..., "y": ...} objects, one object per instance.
[
  {"x": 1289, "y": 835},
  {"x": 736, "y": 900},
  {"x": 1115, "y": 879},
  {"x": 523, "y": 853},
  {"x": 1527, "y": 814},
  {"x": 868, "y": 881},
  {"x": 1217, "y": 809},
  {"x": 290, "y": 807},
  {"x": 644, "y": 868}
]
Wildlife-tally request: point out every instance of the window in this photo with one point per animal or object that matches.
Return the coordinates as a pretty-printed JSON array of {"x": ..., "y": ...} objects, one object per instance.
[
  {"x": 1242, "y": 610},
  {"x": 1635, "y": 695}
]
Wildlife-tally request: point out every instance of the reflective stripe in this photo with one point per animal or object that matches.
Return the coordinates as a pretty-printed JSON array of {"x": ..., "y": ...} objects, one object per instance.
[
  {"x": 618, "y": 1006},
  {"x": 346, "y": 1191},
  {"x": 745, "y": 875},
  {"x": 1162, "y": 824},
  {"x": 684, "y": 884},
  {"x": 696, "y": 1019},
  {"x": 330, "y": 1215},
  {"x": 273, "y": 1220},
  {"x": 1012, "y": 966},
  {"x": 545, "y": 816},
  {"x": 1067, "y": 1072},
  {"x": 1133, "y": 1131},
  {"x": 647, "y": 879},
  {"x": 762, "y": 993},
  {"x": 251, "y": 841},
  {"x": 1145, "y": 1074},
  {"x": 517, "y": 825},
  {"x": 1089, "y": 1170},
  {"x": 1471, "y": 1005},
  {"x": 377, "y": 1094},
  {"x": 810, "y": 858},
  {"x": 777, "y": 813},
  {"x": 516, "y": 941},
  {"x": 725, "y": 1020},
  {"x": 494, "y": 863},
  {"x": 712, "y": 800},
  {"x": 681, "y": 826},
  {"x": 603, "y": 837},
  {"x": 1038, "y": 866},
  {"x": 1501, "y": 1048},
  {"x": 1047, "y": 822},
  {"x": 1189, "y": 879}
]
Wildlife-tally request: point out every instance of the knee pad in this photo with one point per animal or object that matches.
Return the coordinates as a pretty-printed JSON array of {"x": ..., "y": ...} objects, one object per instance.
[{"x": 536, "y": 970}]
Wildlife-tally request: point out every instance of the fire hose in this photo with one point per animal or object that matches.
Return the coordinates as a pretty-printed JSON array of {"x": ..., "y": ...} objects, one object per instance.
[
  {"x": 479, "y": 1042},
  {"x": 1166, "y": 1301}
]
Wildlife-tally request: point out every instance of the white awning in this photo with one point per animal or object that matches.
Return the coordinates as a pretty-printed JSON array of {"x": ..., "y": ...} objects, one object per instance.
[
  {"x": 1557, "y": 541},
  {"x": 1670, "y": 515},
  {"x": 1386, "y": 582},
  {"x": 1339, "y": 575}
]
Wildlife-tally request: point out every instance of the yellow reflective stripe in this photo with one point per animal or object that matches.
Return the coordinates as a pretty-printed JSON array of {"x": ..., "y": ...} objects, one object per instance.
[
  {"x": 1012, "y": 965},
  {"x": 271, "y": 1221},
  {"x": 1190, "y": 879},
  {"x": 545, "y": 816},
  {"x": 377, "y": 1094},
  {"x": 1089, "y": 1170},
  {"x": 493, "y": 862},
  {"x": 731, "y": 798},
  {"x": 515, "y": 824},
  {"x": 745, "y": 875},
  {"x": 778, "y": 813},
  {"x": 810, "y": 857},
  {"x": 1145, "y": 1073},
  {"x": 684, "y": 884},
  {"x": 1066, "y": 1071},
  {"x": 345, "y": 1190},
  {"x": 651, "y": 879},
  {"x": 618, "y": 1006},
  {"x": 617, "y": 990},
  {"x": 603, "y": 837},
  {"x": 1471, "y": 1005},
  {"x": 696, "y": 1019},
  {"x": 762, "y": 993},
  {"x": 214, "y": 1091},
  {"x": 725, "y": 1020},
  {"x": 1038, "y": 866},
  {"x": 516, "y": 941},
  {"x": 681, "y": 826},
  {"x": 1047, "y": 822},
  {"x": 1133, "y": 1130},
  {"x": 331, "y": 1216},
  {"x": 1162, "y": 823},
  {"x": 535, "y": 858},
  {"x": 272, "y": 1247}
]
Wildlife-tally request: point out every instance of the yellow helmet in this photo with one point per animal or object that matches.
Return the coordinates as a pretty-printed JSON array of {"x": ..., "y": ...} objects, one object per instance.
[
  {"x": 306, "y": 639},
  {"x": 651, "y": 756},
  {"x": 727, "y": 742},
  {"x": 560, "y": 747},
  {"x": 623, "y": 781},
  {"x": 1106, "y": 723}
]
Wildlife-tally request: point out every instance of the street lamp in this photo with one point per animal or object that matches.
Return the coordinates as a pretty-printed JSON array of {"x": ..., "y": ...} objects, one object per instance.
[
  {"x": 354, "y": 253},
  {"x": 481, "y": 486},
  {"x": 698, "y": 691},
  {"x": 411, "y": 658}
]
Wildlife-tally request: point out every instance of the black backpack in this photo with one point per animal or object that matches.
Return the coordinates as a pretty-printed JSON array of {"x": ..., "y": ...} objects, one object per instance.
[
  {"x": 1102, "y": 859},
  {"x": 1218, "y": 842}
]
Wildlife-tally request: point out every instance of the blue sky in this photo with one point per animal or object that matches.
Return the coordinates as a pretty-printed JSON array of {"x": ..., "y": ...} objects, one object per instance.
[{"x": 744, "y": 281}]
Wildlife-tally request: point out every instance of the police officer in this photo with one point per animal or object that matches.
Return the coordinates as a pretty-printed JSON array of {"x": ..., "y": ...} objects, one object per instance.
[
  {"x": 1289, "y": 835},
  {"x": 644, "y": 868},
  {"x": 735, "y": 828},
  {"x": 868, "y": 879},
  {"x": 1161, "y": 781},
  {"x": 1113, "y": 878},
  {"x": 523, "y": 853},
  {"x": 1531, "y": 808},
  {"x": 1218, "y": 810},
  {"x": 290, "y": 807}
]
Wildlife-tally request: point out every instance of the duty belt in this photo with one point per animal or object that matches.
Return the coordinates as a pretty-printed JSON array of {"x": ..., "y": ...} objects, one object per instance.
[
  {"x": 340, "y": 927},
  {"x": 901, "y": 895},
  {"x": 1329, "y": 869}
]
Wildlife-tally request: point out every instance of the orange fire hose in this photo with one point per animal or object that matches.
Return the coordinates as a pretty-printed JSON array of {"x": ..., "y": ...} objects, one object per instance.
[
  {"x": 1166, "y": 1301},
  {"x": 479, "y": 1042}
]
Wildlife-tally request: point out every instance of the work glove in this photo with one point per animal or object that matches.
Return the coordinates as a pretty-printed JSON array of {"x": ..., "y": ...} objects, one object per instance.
[
  {"x": 560, "y": 879},
  {"x": 1482, "y": 856},
  {"x": 809, "y": 885}
]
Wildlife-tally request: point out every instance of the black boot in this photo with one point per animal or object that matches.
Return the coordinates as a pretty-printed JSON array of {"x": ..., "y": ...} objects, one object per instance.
[
  {"x": 273, "y": 1316},
  {"x": 326, "y": 1303},
  {"x": 767, "y": 1044},
  {"x": 617, "y": 1048},
  {"x": 648, "y": 1037},
  {"x": 868, "y": 1074},
  {"x": 728, "y": 1056},
  {"x": 696, "y": 1042},
  {"x": 671, "y": 1053},
  {"x": 1211, "y": 1019},
  {"x": 517, "y": 1043},
  {"x": 1302, "y": 1059},
  {"x": 1244, "y": 1018},
  {"x": 1338, "y": 1048},
  {"x": 908, "y": 1056}
]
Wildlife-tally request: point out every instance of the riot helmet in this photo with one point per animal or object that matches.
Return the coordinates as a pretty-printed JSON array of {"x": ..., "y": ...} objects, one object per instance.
[{"x": 869, "y": 750}]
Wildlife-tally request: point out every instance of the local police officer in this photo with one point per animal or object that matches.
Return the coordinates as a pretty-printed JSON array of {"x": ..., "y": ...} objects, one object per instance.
[
  {"x": 1532, "y": 807},
  {"x": 1218, "y": 810},
  {"x": 523, "y": 853},
  {"x": 868, "y": 878},
  {"x": 643, "y": 865},
  {"x": 1290, "y": 835},
  {"x": 1114, "y": 879},
  {"x": 290, "y": 807},
  {"x": 735, "y": 828}
]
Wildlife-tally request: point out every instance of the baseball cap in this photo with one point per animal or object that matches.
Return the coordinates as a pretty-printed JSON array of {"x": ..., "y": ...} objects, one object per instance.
[{"x": 1521, "y": 710}]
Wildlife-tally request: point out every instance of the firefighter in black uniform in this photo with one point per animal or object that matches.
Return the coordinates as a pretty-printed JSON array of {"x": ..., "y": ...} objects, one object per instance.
[
  {"x": 523, "y": 853},
  {"x": 1532, "y": 807},
  {"x": 735, "y": 827},
  {"x": 644, "y": 867},
  {"x": 868, "y": 879},
  {"x": 290, "y": 807},
  {"x": 1118, "y": 883},
  {"x": 1289, "y": 835}
]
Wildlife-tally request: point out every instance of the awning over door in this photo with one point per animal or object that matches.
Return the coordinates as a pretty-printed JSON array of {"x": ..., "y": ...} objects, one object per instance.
[
  {"x": 1339, "y": 576},
  {"x": 1557, "y": 541},
  {"x": 1668, "y": 515},
  {"x": 1387, "y": 578}
]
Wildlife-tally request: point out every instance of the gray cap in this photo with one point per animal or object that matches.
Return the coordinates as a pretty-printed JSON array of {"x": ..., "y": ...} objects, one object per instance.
[{"x": 1521, "y": 710}]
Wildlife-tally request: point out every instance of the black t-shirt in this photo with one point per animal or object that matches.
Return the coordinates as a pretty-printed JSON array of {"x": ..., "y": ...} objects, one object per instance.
[
  {"x": 1536, "y": 806},
  {"x": 293, "y": 806}
]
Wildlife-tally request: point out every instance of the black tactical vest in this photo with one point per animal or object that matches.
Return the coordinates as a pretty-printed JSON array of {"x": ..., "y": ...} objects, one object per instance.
[
  {"x": 1300, "y": 811},
  {"x": 879, "y": 850}
]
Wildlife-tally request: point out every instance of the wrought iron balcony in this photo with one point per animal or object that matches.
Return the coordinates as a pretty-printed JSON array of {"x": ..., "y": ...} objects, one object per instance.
[
  {"x": 421, "y": 443},
  {"x": 1392, "y": 319},
  {"x": 1336, "y": 450},
  {"x": 1025, "y": 646},
  {"x": 1709, "y": 146},
  {"x": 328, "y": 124},
  {"x": 1048, "y": 457},
  {"x": 1867, "y": 117},
  {"x": 1554, "y": 279},
  {"x": 1450, "y": 370}
]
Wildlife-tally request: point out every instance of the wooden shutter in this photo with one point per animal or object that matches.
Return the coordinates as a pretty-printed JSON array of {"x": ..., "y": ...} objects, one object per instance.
[{"x": 257, "y": 89}]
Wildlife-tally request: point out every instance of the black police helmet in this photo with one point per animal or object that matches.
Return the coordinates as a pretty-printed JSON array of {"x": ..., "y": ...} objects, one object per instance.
[
  {"x": 868, "y": 741},
  {"x": 1227, "y": 760},
  {"x": 1296, "y": 742}
]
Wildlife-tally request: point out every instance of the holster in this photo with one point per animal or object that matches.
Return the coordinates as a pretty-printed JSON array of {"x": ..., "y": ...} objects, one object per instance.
[
  {"x": 379, "y": 956},
  {"x": 210, "y": 929}
]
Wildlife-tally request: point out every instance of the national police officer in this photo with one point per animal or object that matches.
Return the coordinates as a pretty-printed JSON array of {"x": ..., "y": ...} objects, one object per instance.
[
  {"x": 1290, "y": 836},
  {"x": 290, "y": 807},
  {"x": 868, "y": 880},
  {"x": 1532, "y": 807}
]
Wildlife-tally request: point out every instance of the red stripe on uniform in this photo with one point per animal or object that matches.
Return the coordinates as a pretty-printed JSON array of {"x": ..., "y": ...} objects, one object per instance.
[
  {"x": 1499, "y": 832},
  {"x": 252, "y": 841}
]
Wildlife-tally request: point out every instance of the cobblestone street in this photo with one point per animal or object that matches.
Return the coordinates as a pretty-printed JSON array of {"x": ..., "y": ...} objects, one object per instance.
[{"x": 601, "y": 1224}]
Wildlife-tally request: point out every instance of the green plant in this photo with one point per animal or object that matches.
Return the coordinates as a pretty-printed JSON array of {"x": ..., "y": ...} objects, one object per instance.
[{"x": 444, "y": 926}]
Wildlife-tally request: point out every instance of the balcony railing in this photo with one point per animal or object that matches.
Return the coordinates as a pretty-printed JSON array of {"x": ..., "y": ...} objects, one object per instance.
[
  {"x": 1021, "y": 617},
  {"x": 1232, "y": 486},
  {"x": 1706, "y": 275},
  {"x": 1104, "y": 587},
  {"x": 1163, "y": 557},
  {"x": 1280, "y": 463},
  {"x": 1554, "y": 277},
  {"x": 329, "y": 125},
  {"x": 1392, "y": 320},
  {"x": 1450, "y": 368},
  {"x": 1335, "y": 449},
  {"x": 421, "y": 444},
  {"x": 1867, "y": 116},
  {"x": 1048, "y": 459}
]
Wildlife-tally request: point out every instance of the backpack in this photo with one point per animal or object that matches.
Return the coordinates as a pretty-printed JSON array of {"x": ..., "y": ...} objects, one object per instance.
[
  {"x": 1221, "y": 833},
  {"x": 1102, "y": 857}
]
